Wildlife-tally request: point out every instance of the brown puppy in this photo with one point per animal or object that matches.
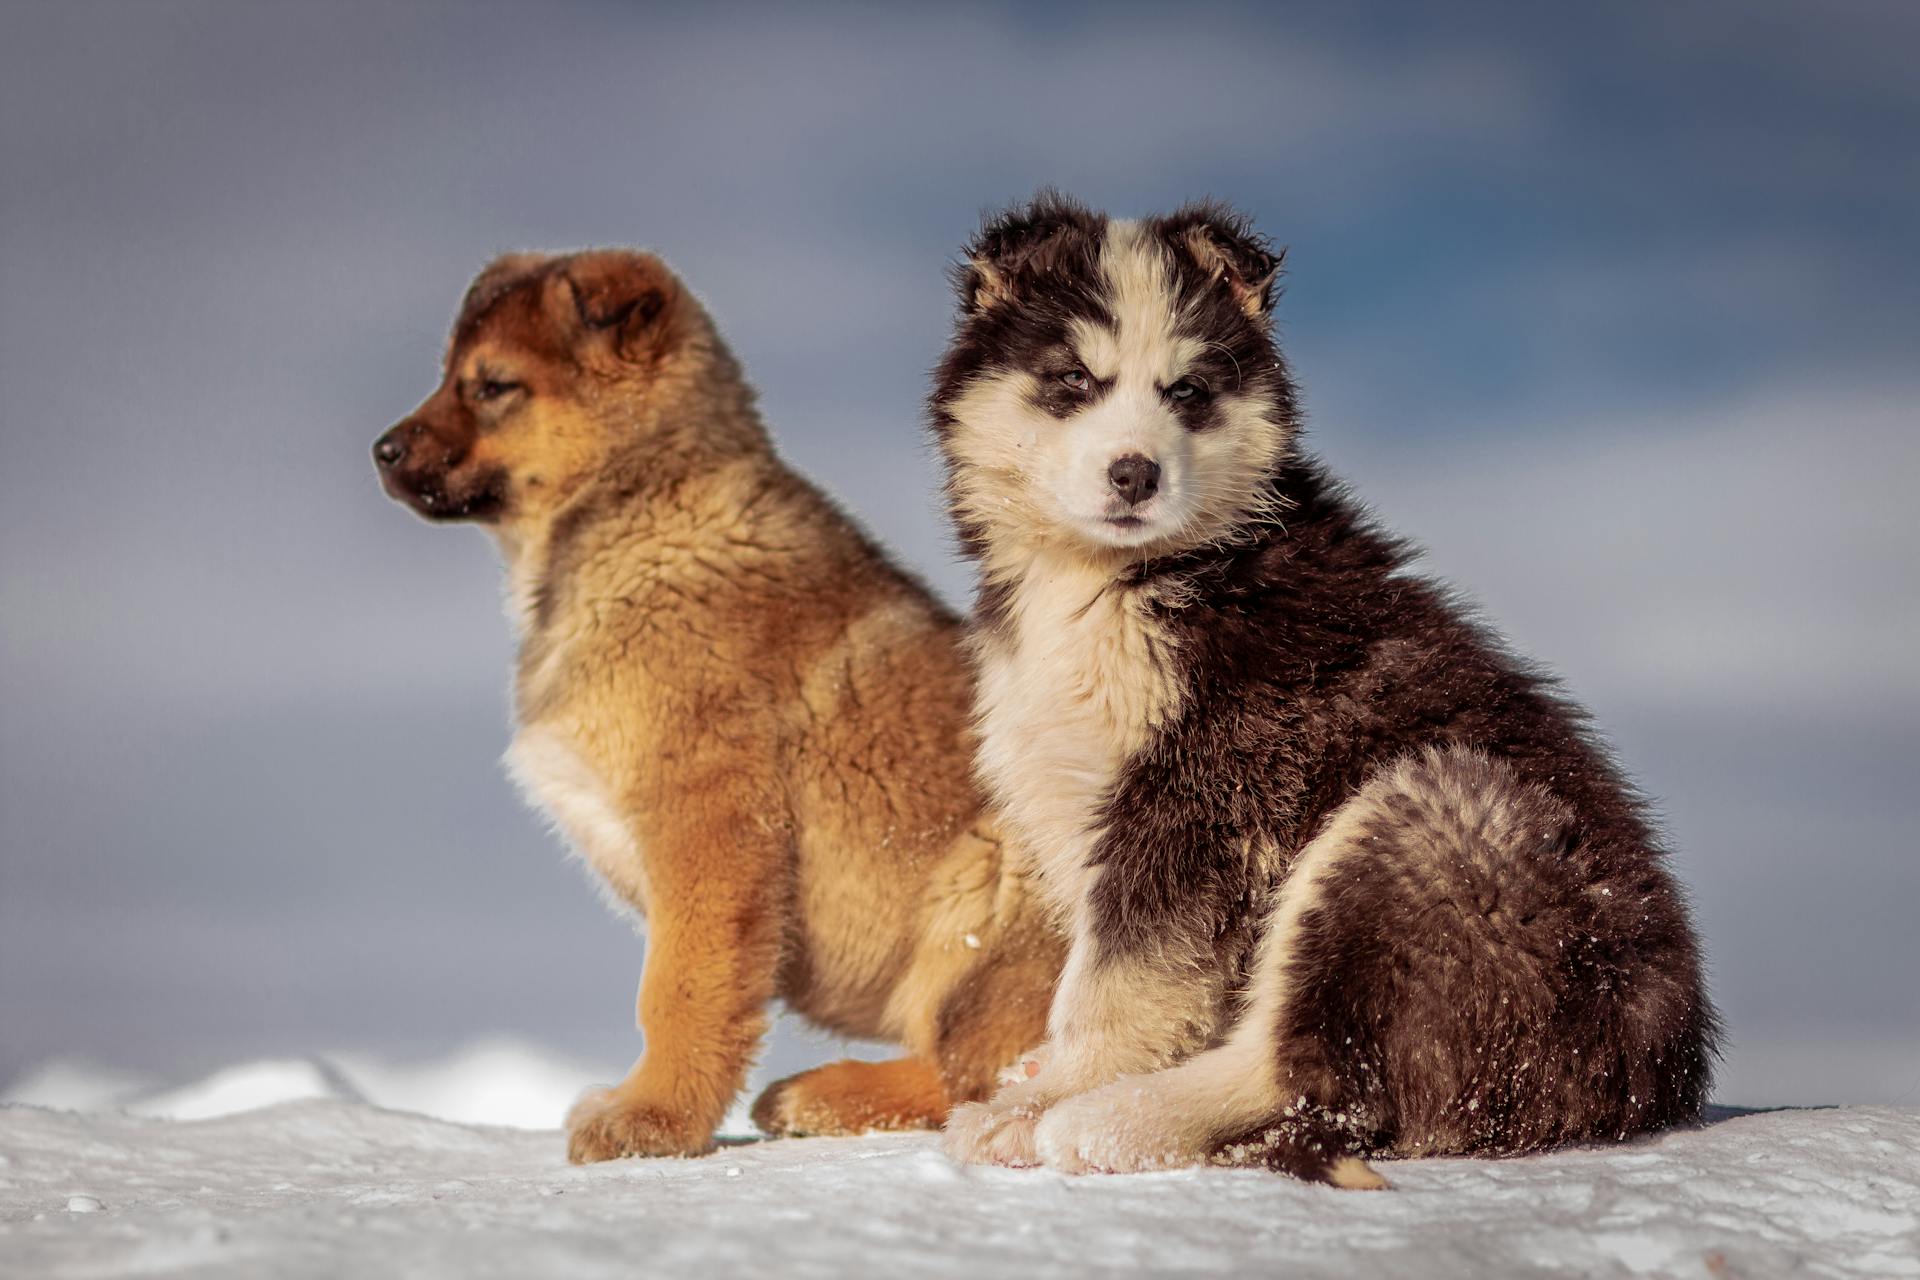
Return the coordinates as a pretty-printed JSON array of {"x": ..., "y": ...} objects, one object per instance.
[{"x": 752, "y": 725}]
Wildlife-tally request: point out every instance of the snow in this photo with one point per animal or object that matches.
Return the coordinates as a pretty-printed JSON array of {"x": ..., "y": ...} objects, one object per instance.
[
  {"x": 329, "y": 1183},
  {"x": 494, "y": 1082}
]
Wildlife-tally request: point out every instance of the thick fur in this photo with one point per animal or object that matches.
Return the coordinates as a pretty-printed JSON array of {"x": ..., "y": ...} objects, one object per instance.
[
  {"x": 1341, "y": 875},
  {"x": 749, "y": 723}
]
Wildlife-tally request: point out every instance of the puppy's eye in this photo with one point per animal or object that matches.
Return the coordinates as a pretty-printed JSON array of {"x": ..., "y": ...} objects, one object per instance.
[
  {"x": 1076, "y": 380},
  {"x": 492, "y": 389},
  {"x": 1185, "y": 389}
]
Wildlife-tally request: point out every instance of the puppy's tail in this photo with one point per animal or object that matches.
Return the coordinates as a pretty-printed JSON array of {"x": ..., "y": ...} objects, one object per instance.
[{"x": 1308, "y": 1149}]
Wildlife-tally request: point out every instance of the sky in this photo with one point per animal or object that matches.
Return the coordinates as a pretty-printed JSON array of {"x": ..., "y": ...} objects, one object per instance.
[{"x": 1611, "y": 307}]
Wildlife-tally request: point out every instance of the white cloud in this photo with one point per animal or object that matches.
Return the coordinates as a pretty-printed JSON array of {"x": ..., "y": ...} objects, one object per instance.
[{"x": 1761, "y": 548}]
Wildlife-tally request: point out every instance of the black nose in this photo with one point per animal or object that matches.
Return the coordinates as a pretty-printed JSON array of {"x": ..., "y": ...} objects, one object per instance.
[
  {"x": 389, "y": 448},
  {"x": 1134, "y": 478}
]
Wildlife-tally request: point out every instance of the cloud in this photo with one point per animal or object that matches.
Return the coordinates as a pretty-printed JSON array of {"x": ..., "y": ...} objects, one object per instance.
[{"x": 1761, "y": 547}]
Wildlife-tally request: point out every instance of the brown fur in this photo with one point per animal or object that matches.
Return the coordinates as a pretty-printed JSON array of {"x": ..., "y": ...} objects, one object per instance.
[{"x": 751, "y": 724}]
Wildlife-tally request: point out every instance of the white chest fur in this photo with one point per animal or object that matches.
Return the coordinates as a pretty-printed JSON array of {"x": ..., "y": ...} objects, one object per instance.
[
  {"x": 557, "y": 778},
  {"x": 1069, "y": 689}
]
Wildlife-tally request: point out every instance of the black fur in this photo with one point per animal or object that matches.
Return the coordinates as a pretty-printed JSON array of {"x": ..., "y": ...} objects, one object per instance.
[
  {"x": 1311, "y": 659},
  {"x": 1051, "y": 237},
  {"x": 1248, "y": 260}
]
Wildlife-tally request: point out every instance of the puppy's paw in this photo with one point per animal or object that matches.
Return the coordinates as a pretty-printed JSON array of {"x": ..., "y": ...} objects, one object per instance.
[
  {"x": 853, "y": 1097},
  {"x": 607, "y": 1124},
  {"x": 783, "y": 1110},
  {"x": 983, "y": 1133},
  {"x": 1115, "y": 1129}
]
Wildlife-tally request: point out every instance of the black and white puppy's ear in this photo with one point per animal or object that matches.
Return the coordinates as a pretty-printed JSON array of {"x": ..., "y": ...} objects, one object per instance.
[
  {"x": 1050, "y": 233},
  {"x": 1223, "y": 243}
]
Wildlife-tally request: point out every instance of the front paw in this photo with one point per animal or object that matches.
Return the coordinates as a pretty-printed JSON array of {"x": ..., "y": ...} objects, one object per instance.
[
  {"x": 986, "y": 1133},
  {"x": 607, "y": 1124},
  {"x": 1116, "y": 1129}
]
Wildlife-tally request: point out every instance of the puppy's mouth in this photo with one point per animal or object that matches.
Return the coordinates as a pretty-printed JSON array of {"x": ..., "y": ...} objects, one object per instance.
[
  {"x": 1130, "y": 526},
  {"x": 484, "y": 501}
]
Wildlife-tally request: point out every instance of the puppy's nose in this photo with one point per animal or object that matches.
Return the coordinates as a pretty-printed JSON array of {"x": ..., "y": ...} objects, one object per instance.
[
  {"x": 1134, "y": 478},
  {"x": 390, "y": 448}
]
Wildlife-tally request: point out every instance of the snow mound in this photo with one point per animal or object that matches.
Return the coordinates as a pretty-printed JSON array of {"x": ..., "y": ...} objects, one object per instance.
[
  {"x": 492, "y": 1082},
  {"x": 328, "y": 1186},
  {"x": 247, "y": 1087},
  {"x": 76, "y": 1084},
  {"x": 499, "y": 1082}
]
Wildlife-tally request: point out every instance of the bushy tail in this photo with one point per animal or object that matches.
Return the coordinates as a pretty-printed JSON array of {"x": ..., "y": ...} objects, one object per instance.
[{"x": 1307, "y": 1149}]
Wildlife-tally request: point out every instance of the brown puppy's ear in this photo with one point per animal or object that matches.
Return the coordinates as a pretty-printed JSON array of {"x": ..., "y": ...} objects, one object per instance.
[
  {"x": 1226, "y": 247},
  {"x": 1050, "y": 233},
  {"x": 499, "y": 278},
  {"x": 622, "y": 298}
]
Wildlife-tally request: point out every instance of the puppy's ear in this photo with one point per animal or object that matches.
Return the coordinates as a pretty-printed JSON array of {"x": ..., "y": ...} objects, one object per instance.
[
  {"x": 1227, "y": 248},
  {"x": 1048, "y": 234},
  {"x": 621, "y": 298},
  {"x": 499, "y": 278}
]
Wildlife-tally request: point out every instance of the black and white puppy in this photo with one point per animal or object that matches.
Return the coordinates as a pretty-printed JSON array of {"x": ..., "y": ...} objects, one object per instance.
[{"x": 1343, "y": 876}]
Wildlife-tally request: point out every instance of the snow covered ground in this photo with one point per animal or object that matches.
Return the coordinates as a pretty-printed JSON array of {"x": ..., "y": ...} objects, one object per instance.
[{"x": 329, "y": 1183}]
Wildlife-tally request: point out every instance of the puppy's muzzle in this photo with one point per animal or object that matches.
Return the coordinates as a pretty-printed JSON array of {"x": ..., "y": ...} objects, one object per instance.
[{"x": 422, "y": 468}]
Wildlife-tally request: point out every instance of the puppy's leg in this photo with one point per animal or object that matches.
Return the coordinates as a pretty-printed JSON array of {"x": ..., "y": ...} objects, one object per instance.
[
  {"x": 994, "y": 1020},
  {"x": 1263, "y": 1087},
  {"x": 992, "y": 1015},
  {"x": 1111, "y": 1016},
  {"x": 976, "y": 1018},
  {"x": 717, "y": 891},
  {"x": 1171, "y": 1118},
  {"x": 854, "y": 1097}
]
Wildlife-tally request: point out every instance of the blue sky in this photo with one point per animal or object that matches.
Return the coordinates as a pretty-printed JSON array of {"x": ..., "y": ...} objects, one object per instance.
[{"x": 1612, "y": 306}]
